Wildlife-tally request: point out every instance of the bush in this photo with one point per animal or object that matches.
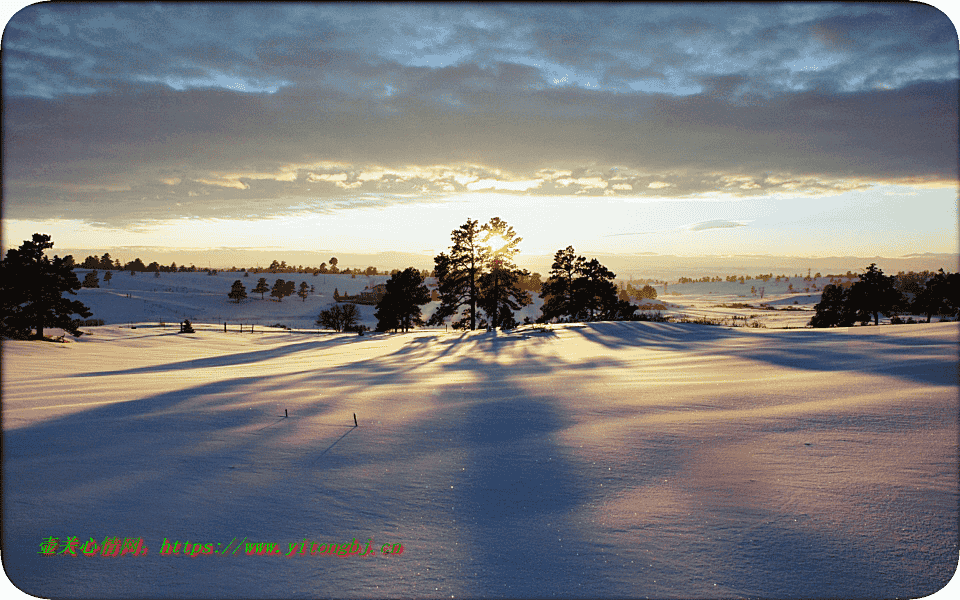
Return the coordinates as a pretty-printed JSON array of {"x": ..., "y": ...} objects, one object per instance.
[{"x": 186, "y": 327}]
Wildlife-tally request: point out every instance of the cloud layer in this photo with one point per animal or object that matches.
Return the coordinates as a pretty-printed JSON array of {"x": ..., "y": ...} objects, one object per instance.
[{"x": 127, "y": 113}]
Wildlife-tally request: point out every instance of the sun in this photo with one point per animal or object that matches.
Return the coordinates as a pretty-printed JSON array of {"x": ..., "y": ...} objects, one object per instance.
[{"x": 496, "y": 243}]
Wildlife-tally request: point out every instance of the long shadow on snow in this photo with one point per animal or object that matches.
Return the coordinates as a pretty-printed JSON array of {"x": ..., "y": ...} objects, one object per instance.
[
  {"x": 238, "y": 358},
  {"x": 913, "y": 358},
  {"x": 107, "y": 461},
  {"x": 522, "y": 489}
]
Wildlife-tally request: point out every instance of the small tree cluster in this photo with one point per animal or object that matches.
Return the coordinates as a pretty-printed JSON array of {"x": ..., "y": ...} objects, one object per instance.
[
  {"x": 582, "y": 290},
  {"x": 874, "y": 294},
  {"x": 281, "y": 289}
]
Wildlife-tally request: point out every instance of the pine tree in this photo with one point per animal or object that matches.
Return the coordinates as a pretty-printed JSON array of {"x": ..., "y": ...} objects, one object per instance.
[
  {"x": 282, "y": 288},
  {"x": 558, "y": 291},
  {"x": 579, "y": 289},
  {"x": 458, "y": 275},
  {"x": 304, "y": 291},
  {"x": 262, "y": 287},
  {"x": 237, "y": 292},
  {"x": 399, "y": 308},
  {"x": 500, "y": 292},
  {"x": 31, "y": 291},
  {"x": 91, "y": 280},
  {"x": 833, "y": 310},
  {"x": 874, "y": 294}
]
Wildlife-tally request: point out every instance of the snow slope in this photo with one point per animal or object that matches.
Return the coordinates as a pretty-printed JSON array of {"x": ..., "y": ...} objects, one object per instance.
[
  {"x": 172, "y": 297},
  {"x": 599, "y": 460}
]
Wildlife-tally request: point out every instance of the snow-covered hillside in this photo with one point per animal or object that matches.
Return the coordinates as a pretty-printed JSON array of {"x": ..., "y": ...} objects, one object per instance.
[
  {"x": 201, "y": 298},
  {"x": 598, "y": 460}
]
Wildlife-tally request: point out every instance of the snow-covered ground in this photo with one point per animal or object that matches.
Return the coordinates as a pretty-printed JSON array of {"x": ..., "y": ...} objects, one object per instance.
[
  {"x": 172, "y": 297},
  {"x": 599, "y": 460}
]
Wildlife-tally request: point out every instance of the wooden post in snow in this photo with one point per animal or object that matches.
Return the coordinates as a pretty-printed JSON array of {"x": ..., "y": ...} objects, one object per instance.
[{"x": 355, "y": 424}]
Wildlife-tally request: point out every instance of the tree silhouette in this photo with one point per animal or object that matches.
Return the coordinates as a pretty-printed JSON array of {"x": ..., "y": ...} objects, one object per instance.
[
  {"x": 91, "y": 280},
  {"x": 874, "y": 294},
  {"x": 107, "y": 277},
  {"x": 304, "y": 291},
  {"x": 579, "y": 289},
  {"x": 500, "y": 293},
  {"x": 339, "y": 317},
  {"x": 558, "y": 290},
  {"x": 31, "y": 291},
  {"x": 237, "y": 292},
  {"x": 262, "y": 287},
  {"x": 399, "y": 308},
  {"x": 833, "y": 309},
  {"x": 940, "y": 295},
  {"x": 458, "y": 274}
]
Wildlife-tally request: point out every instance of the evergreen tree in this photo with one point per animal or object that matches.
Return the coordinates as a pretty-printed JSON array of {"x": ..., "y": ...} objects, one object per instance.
[
  {"x": 500, "y": 292},
  {"x": 262, "y": 287},
  {"x": 940, "y": 295},
  {"x": 458, "y": 275},
  {"x": 106, "y": 262},
  {"x": 558, "y": 290},
  {"x": 304, "y": 291},
  {"x": 282, "y": 289},
  {"x": 91, "y": 280},
  {"x": 833, "y": 309},
  {"x": 596, "y": 296},
  {"x": 237, "y": 292},
  {"x": 874, "y": 294},
  {"x": 400, "y": 306},
  {"x": 31, "y": 291},
  {"x": 107, "y": 277},
  {"x": 500, "y": 295},
  {"x": 579, "y": 289}
]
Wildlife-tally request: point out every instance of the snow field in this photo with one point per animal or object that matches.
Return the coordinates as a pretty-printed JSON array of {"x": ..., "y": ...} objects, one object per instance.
[{"x": 601, "y": 460}]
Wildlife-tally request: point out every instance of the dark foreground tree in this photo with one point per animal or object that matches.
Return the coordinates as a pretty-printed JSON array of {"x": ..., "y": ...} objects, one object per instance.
[
  {"x": 339, "y": 317},
  {"x": 237, "y": 292},
  {"x": 833, "y": 309},
  {"x": 874, "y": 294},
  {"x": 940, "y": 295},
  {"x": 304, "y": 291},
  {"x": 31, "y": 291},
  {"x": 582, "y": 290},
  {"x": 400, "y": 306},
  {"x": 458, "y": 275},
  {"x": 500, "y": 292},
  {"x": 557, "y": 290}
]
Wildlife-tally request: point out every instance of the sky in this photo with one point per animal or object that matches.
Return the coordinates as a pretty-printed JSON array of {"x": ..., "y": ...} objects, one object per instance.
[{"x": 687, "y": 129}]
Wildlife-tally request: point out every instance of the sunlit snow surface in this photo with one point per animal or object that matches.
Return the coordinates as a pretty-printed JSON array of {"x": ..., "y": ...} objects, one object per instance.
[{"x": 599, "y": 460}]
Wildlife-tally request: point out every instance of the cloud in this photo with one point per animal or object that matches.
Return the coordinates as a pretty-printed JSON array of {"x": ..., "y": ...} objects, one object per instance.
[
  {"x": 715, "y": 224},
  {"x": 120, "y": 112}
]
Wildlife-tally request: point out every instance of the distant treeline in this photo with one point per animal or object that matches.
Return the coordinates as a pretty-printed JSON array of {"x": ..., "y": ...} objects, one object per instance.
[{"x": 108, "y": 263}]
